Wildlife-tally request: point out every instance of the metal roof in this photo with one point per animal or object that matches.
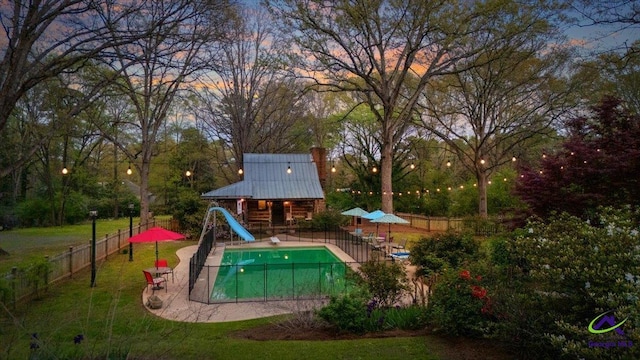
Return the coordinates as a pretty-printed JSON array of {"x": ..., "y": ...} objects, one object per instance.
[{"x": 266, "y": 177}]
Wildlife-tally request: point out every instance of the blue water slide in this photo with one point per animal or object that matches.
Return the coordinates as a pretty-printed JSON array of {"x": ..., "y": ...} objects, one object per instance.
[{"x": 234, "y": 224}]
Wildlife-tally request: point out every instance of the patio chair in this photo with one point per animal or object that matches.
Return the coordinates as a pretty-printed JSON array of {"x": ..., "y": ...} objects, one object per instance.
[
  {"x": 275, "y": 240},
  {"x": 154, "y": 282},
  {"x": 400, "y": 246},
  {"x": 163, "y": 263},
  {"x": 373, "y": 242}
]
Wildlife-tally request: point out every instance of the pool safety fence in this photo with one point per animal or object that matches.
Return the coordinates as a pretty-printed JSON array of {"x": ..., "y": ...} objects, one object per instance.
[
  {"x": 272, "y": 282},
  {"x": 354, "y": 246}
]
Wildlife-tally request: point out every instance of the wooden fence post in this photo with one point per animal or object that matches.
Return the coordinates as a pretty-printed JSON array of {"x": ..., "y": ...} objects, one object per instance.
[
  {"x": 70, "y": 262},
  {"x": 14, "y": 274}
]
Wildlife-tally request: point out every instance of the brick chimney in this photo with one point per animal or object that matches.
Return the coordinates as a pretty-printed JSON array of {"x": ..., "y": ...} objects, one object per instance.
[{"x": 319, "y": 156}]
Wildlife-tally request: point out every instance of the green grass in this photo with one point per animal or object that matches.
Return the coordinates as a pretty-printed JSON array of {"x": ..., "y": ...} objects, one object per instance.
[
  {"x": 30, "y": 244},
  {"x": 114, "y": 322}
]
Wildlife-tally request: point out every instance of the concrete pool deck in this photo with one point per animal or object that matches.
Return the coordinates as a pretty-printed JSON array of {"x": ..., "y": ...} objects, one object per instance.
[{"x": 177, "y": 306}]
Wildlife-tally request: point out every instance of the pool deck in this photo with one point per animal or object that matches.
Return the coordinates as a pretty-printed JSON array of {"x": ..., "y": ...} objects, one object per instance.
[{"x": 176, "y": 305}]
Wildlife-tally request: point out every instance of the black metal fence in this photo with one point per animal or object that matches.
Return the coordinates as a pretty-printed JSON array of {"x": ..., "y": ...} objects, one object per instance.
[
  {"x": 202, "y": 277},
  {"x": 270, "y": 282}
]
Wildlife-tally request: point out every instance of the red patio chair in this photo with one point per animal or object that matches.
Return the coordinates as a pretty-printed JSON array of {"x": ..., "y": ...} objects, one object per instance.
[
  {"x": 154, "y": 282},
  {"x": 163, "y": 263}
]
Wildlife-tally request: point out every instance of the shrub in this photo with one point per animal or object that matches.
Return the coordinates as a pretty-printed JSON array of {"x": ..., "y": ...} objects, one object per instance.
[
  {"x": 461, "y": 304},
  {"x": 348, "y": 313},
  {"x": 328, "y": 219},
  {"x": 386, "y": 282},
  {"x": 447, "y": 250},
  {"x": 577, "y": 271}
]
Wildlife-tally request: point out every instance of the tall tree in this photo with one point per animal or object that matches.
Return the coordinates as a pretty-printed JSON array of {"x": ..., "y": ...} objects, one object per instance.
[
  {"x": 248, "y": 103},
  {"x": 596, "y": 165},
  {"x": 385, "y": 52},
  {"x": 178, "y": 49},
  {"x": 40, "y": 40},
  {"x": 614, "y": 75},
  {"x": 507, "y": 97}
]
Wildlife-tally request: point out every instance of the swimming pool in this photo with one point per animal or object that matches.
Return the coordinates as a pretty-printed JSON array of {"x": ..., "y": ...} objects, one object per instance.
[{"x": 278, "y": 274}]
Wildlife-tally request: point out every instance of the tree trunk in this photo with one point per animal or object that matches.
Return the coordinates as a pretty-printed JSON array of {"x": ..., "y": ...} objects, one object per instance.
[
  {"x": 386, "y": 177},
  {"x": 482, "y": 194},
  {"x": 145, "y": 168}
]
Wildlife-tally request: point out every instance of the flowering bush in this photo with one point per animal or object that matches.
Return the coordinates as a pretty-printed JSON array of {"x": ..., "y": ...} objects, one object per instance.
[
  {"x": 460, "y": 304},
  {"x": 575, "y": 271}
]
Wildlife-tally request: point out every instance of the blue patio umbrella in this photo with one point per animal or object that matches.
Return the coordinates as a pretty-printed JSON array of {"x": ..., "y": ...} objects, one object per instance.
[
  {"x": 355, "y": 212},
  {"x": 389, "y": 219},
  {"x": 374, "y": 215}
]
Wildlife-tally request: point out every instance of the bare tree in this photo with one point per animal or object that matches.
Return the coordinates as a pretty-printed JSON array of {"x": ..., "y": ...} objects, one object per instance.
[
  {"x": 490, "y": 113},
  {"x": 178, "y": 49},
  {"x": 385, "y": 52},
  {"x": 43, "y": 39},
  {"x": 248, "y": 104}
]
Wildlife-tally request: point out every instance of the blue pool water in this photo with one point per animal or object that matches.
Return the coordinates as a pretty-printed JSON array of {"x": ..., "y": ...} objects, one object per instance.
[{"x": 278, "y": 273}]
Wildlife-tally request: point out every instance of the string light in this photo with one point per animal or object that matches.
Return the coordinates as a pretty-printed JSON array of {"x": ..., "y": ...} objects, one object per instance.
[
  {"x": 289, "y": 168},
  {"x": 448, "y": 163},
  {"x": 412, "y": 166},
  {"x": 188, "y": 173},
  {"x": 333, "y": 168},
  {"x": 240, "y": 171},
  {"x": 374, "y": 170},
  {"x": 65, "y": 171},
  {"x": 129, "y": 171},
  {"x": 513, "y": 158}
]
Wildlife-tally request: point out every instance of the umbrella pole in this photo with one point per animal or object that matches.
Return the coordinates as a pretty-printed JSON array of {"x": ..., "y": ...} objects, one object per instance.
[{"x": 156, "y": 255}]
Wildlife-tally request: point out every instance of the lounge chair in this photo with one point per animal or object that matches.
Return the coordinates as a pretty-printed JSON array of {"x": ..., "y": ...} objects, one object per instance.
[
  {"x": 404, "y": 256},
  {"x": 373, "y": 242},
  {"x": 275, "y": 240},
  {"x": 400, "y": 246}
]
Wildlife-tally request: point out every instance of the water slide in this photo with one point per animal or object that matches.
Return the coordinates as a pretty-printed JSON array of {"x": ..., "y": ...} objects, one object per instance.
[{"x": 234, "y": 224}]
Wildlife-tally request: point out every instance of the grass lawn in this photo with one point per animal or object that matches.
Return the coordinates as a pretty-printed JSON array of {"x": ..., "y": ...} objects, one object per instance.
[
  {"x": 28, "y": 244},
  {"x": 110, "y": 321}
]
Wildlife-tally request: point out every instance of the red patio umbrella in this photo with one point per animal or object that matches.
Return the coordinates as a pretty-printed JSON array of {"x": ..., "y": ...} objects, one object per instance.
[{"x": 154, "y": 235}]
